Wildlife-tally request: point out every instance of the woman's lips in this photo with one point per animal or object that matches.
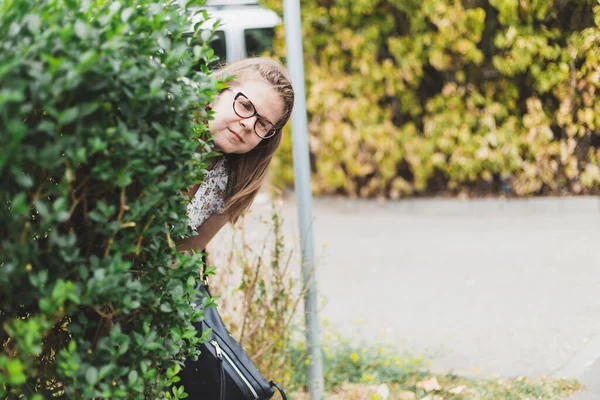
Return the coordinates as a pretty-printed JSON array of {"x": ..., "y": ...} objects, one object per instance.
[{"x": 236, "y": 137}]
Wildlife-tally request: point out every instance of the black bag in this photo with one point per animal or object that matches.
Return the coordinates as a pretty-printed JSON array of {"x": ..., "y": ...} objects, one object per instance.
[{"x": 223, "y": 370}]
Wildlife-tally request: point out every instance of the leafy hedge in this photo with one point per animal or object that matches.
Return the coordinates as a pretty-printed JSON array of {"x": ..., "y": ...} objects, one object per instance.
[
  {"x": 97, "y": 140},
  {"x": 428, "y": 96}
]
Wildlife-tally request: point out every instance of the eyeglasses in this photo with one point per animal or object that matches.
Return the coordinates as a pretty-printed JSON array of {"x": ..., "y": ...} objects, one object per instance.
[{"x": 245, "y": 109}]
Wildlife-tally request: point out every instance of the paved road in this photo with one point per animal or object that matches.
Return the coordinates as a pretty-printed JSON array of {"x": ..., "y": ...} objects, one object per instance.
[{"x": 486, "y": 286}]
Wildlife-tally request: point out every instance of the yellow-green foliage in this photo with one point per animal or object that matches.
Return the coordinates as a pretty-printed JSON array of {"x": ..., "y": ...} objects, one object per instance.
[{"x": 426, "y": 96}]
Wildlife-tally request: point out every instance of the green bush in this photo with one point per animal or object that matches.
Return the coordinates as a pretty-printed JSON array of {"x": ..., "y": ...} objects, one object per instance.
[
  {"x": 97, "y": 141},
  {"x": 426, "y": 97}
]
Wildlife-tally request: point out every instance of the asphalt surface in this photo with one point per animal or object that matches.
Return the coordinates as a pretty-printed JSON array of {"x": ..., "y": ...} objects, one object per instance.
[{"x": 488, "y": 287}]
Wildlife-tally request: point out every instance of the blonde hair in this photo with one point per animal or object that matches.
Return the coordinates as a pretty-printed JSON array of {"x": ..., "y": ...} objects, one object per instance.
[{"x": 248, "y": 171}]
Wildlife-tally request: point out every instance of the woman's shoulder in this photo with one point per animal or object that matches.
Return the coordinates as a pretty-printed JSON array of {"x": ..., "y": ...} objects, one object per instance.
[
  {"x": 210, "y": 197},
  {"x": 218, "y": 175}
]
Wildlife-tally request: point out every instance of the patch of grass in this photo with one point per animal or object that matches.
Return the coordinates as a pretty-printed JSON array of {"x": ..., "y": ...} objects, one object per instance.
[
  {"x": 348, "y": 363},
  {"x": 377, "y": 373}
]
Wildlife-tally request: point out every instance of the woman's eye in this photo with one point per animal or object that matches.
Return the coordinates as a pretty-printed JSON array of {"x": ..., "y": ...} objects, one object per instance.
[
  {"x": 261, "y": 124},
  {"x": 247, "y": 105}
]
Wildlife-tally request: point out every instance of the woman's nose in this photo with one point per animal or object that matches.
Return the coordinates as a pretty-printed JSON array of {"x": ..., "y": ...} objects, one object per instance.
[{"x": 248, "y": 123}]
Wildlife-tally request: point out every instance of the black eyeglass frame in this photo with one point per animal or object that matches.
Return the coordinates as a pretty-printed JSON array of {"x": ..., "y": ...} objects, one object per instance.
[{"x": 273, "y": 129}]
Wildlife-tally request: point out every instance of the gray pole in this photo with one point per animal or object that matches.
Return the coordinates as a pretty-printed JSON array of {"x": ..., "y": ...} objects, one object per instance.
[{"x": 295, "y": 65}]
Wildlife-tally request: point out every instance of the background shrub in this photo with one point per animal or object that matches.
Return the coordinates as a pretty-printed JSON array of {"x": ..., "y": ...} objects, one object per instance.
[
  {"x": 443, "y": 96},
  {"x": 97, "y": 139}
]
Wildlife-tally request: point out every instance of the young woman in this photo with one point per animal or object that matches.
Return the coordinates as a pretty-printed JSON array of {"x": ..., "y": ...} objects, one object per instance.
[{"x": 248, "y": 120}]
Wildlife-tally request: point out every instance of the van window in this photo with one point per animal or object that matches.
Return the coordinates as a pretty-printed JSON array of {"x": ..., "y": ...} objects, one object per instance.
[
  {"x": 258, "y": 40},
  {"x": 220, "y": 46}
]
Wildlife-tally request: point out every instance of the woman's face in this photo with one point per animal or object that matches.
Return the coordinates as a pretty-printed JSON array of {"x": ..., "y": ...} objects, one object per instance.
[{"x": 234, "y": 134}]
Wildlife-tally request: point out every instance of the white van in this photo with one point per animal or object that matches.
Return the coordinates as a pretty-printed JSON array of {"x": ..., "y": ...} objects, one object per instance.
[{"x": 246, "y": 29}]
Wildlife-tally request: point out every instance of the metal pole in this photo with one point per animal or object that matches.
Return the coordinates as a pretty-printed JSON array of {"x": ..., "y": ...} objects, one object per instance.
[{"x": 295, "y": 65}]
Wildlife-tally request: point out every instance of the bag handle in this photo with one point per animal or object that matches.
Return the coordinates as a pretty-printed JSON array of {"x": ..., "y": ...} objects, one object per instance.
[{"x": 274, "y": 384}]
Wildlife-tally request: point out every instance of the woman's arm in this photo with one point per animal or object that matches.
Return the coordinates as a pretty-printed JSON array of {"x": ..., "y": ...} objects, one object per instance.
[{"x": 206, "y": 231}]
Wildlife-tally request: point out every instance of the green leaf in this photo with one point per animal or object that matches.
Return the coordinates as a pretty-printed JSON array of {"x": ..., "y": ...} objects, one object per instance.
[
  {"x": 47, "y": 126},
  {"x": 25, "y": 181},
  {"x": 11, "y": 96},
  {"x": 62, "y": 216},
  {"x": 159, "y": 169},
  {"x": 126, "y": 13},
  {"x": 205, "y": 35},
  {"x": 144, "y": 367},
  {"x": 59, "y": 204},
  {"x": 133, "y": 376},
  {"x": 105, "y": 370},
  {"x": 88, "y": 108},
  {"x": 196, "y": 49},
  {"x": 95, "y": 215},
  {"x": 123, "y": 180},
  {"x": 80, "y": 29},
  {"x": 97, "y": 144},
  {"x": 42, "y": 209},
  {"x": 46, "y": 305},
  {"x": 123, "y": 347},
  {"x": 39, "y": 279},
  {"x": 33, "y": 22},
  {"x": 16, "y": 375},
  {"x": 59, "y": 291},
  {"x": 156, "y": 83},
  {"x": 19, "y": 206},
  {"x": 164, "y": 42},
  {"x": 91, "y": 375},
  {"x": 67, "y": 116}
]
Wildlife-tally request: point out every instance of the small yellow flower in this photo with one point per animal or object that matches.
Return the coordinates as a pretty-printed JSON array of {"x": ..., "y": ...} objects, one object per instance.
[
  {"x": 386, "y": 363},
  {"x": 354, "y": 357},
  {"x": 476, "y": 370},
  {"x": 366, "y": 377}
]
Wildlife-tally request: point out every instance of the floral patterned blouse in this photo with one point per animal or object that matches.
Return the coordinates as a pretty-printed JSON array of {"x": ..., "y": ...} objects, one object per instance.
[{"x": 210, "y": 196}]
